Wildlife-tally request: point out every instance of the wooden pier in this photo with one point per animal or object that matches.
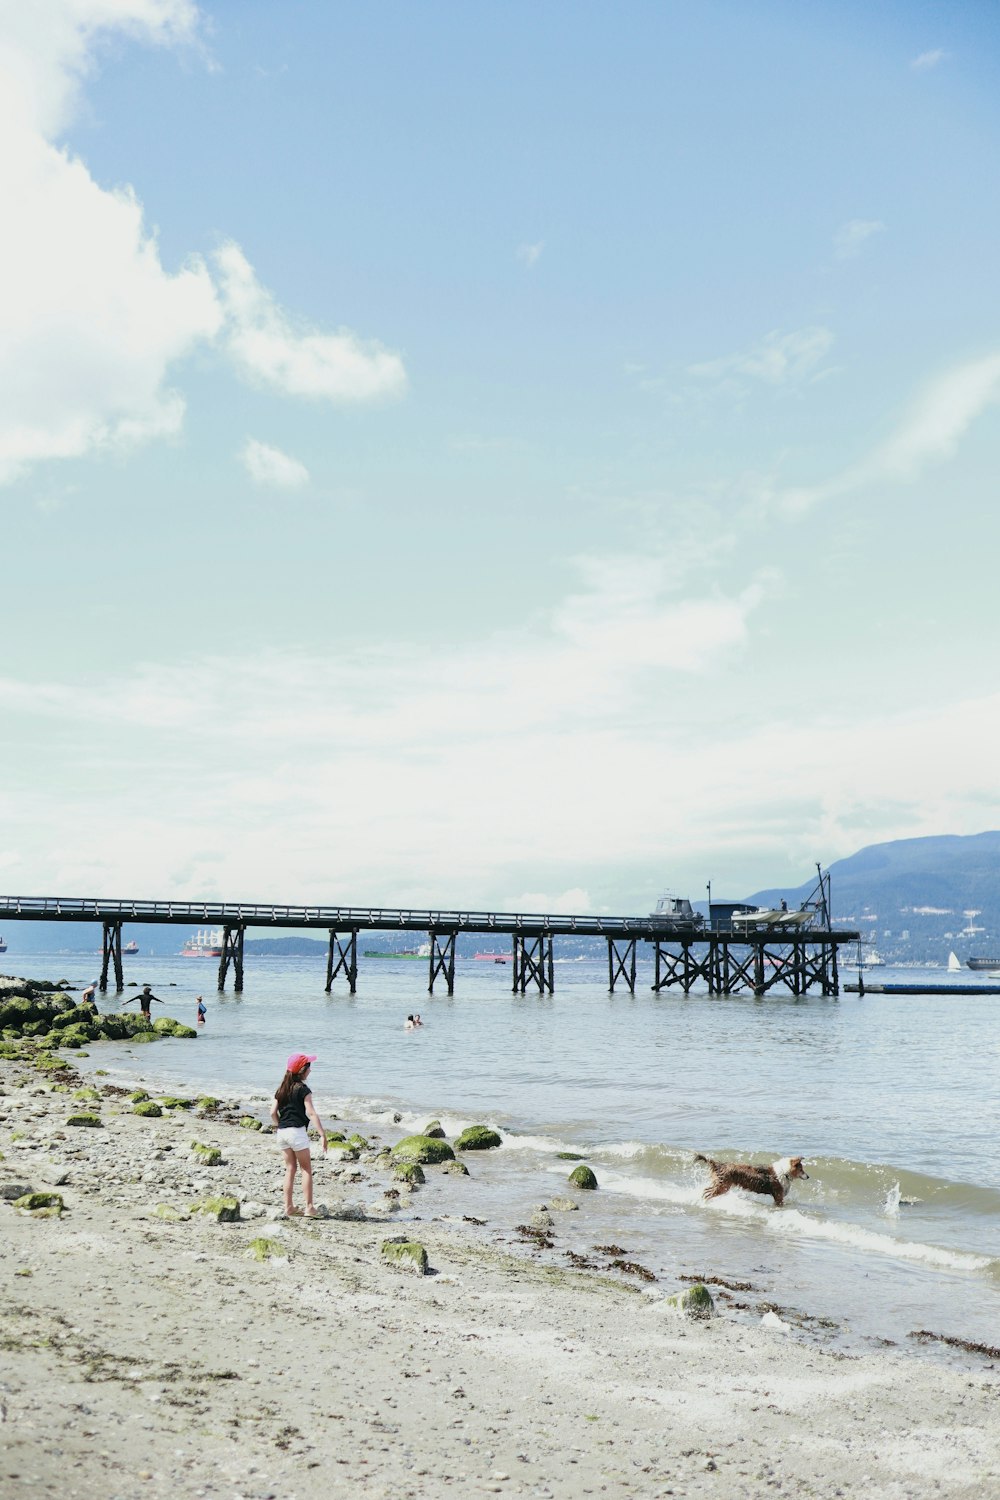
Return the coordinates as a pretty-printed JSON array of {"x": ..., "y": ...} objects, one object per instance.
[{"x": 793, "y": 952}]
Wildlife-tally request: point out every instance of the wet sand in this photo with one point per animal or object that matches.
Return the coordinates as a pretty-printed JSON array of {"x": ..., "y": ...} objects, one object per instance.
[{"x": 146, "y": 1356}]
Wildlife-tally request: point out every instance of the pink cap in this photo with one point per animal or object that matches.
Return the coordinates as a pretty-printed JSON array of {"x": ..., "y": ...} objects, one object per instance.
[{"x": 298, "y": 1061}]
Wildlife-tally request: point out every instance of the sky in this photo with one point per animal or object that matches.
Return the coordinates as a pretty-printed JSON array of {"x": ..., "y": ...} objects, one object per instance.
[{"x": 509, "y": 456}]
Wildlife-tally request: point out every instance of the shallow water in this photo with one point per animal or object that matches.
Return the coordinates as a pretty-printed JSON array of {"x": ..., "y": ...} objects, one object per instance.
[{"x": 893, "y": 1101}]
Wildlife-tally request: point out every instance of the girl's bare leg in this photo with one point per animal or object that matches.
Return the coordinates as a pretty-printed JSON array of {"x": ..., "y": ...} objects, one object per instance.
[
  {"x": 305, "y": 1166},
  {"x": 290, "y": 1165}
]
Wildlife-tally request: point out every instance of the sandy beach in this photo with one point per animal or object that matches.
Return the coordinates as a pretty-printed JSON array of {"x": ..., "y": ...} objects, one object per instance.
[{"x": 148, "y": 1355}]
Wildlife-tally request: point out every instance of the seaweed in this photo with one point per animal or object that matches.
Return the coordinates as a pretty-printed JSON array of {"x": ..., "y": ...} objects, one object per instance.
[{"x": 969, "y": 1345}]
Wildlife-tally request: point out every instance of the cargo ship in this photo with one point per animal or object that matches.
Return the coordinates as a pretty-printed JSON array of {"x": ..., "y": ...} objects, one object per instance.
[
  {"x": 424, "y": 951},
  {"x": 983, "y": 963},
  {"x": 492, "y": 958},
  {"x": 205, "y": 944},
  {"x": 131, "y": 946}
]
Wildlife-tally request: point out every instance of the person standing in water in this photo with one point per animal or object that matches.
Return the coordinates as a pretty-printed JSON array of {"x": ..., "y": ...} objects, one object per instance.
[
  {"x": 145, "y": 1000},
  {"x": 291, "y": 1109},
  {"x": 202, "y": 1011}
]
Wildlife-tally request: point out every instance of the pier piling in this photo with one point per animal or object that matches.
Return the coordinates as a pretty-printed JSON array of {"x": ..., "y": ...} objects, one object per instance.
[
  {"x": 111, "y": 952},
  {"x": 442, "y": 959},
  {"x": 342, "y": 958}
]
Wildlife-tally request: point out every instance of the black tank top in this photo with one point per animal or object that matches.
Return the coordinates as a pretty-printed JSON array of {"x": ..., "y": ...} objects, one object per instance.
[{"x": 293, "y": 1112}]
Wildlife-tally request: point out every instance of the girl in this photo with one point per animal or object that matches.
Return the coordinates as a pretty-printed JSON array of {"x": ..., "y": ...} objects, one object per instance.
[{"x": 290, "y": 1109}]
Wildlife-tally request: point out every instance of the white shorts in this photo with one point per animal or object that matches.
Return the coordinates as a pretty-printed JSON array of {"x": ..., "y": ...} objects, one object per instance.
[{"x": 292, "y": 1138}]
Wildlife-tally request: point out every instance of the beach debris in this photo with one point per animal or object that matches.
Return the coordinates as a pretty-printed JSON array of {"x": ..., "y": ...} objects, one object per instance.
[
  {"x": 406, "y": 1255},
  {"x": 969, "y": 1345},
  {"x": 206, "y": 1156},
  {"x": 92, "y": 1122},
  {"x": 422, "y": 1148},
  {"x": 694, "y": 1302},
  {"x": 771, "y": 1320},
  {"x": 564, "y": 1205},
  {"x": 435, "y": 1130},
  {"x": 732, "y": 1286},
  {"x": 224, "y": 1209},
  {"x": 631, "y": 1268},
  {"x": 582, "y": 1177},
  {"x": 536, "y": 1236},
  {"x": 149, "y": 1109},
  {"x": 41, "y": 1205},
  {"x": 410, "y": 1172},
  {"x": 478, "y": 1138}
]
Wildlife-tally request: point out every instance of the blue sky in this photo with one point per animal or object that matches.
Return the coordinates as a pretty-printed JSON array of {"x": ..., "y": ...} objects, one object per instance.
[{"x": 511, "y": 455}]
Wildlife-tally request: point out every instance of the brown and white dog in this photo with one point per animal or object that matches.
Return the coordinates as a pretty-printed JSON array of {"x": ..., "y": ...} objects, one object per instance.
[{"x": 775, "y": 1180}]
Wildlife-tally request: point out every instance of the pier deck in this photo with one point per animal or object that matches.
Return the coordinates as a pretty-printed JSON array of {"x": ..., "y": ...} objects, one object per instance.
[{"x": 791, "y": 951}]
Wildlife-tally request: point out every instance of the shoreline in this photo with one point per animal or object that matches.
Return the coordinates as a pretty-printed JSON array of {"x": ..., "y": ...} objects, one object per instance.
[{"x": 154, "y": 1355}]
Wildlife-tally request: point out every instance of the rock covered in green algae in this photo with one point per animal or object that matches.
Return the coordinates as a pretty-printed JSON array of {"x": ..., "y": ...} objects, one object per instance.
[
  {"x": 407, "y": 1255},
  {"x": 206, "y": 1102},
  {"x": 358, "y": 1142},
  {"x": 33, "y": 1202},
  {"x": 167, "y": 1026},
  {"x": 139, "y": 1096},
  {"x": 52, "y": 1064},
  {"x": 435, "y": 1130},
  {"x": 564, "y": 1205},
  {"x": 247, "y": 1122},
  {"x": 422, "y": 1148},
  {"x": 224, "y": 1210},
  {"x": 478, "y": 1138},
  {"x": 91, "y": 1121},
  {"x": 409, "y": 1171},
  {"x": 456, "y": 1168},
  {"x": 582, "y": 1177},
  {"x": 207, "y": 1156},
  {"x": 170, "y": 1214},
  {"x": 173, "y": 1101},
  {"x": 568, "y": 1156},
  {"x": 264, "y": 1249},
  {"x": 694, "y": 1302},
  {"x": 144, "y": 1036},
  {"x": 87, "y": 1092},
  {"x": 149, "y": 1109}
]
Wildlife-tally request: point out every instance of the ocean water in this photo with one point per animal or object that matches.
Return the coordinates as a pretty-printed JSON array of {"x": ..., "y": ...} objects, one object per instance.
[{"x": 893, "y": 1101}]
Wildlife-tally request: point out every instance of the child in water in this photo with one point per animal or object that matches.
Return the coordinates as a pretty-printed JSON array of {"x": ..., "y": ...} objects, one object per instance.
[
  {"x": 291, "y": 1109},
  {"x": 202, "y": 1011}
]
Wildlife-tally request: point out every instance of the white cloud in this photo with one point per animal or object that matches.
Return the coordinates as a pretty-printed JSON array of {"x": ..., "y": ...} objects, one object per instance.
[
  {"x": 850, "y": 237},
  {"x": 780, "y": 359},
  {"x": 90, "y": 321},
  {"x": 269, "y": 466},
  {"x": 931, "y": 431},
  {"x": 92, "y": 325},
  {"x": 267, "y": 349},
  {"x": 927, "y": 60},
  {"x": 529, "y": 255}
]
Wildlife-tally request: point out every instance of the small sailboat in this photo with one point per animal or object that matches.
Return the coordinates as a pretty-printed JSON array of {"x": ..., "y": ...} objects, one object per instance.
[{"x": 954, "y": 967}]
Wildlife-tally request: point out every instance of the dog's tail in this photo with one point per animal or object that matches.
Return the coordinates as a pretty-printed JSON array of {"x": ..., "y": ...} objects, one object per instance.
[{"x": 706, "y": 1159}]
